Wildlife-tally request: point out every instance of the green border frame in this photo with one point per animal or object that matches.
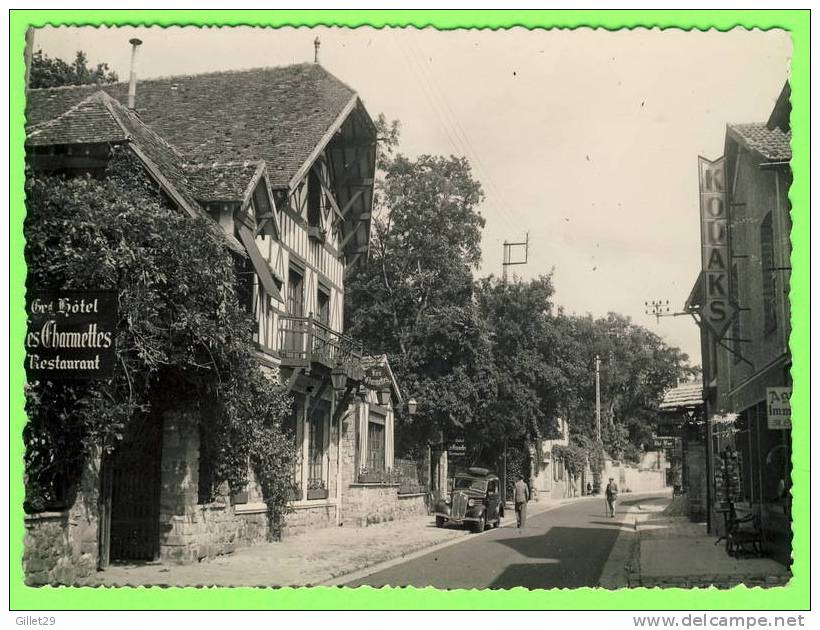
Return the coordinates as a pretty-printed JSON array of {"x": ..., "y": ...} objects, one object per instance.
[{"x": 795, "y": 596}]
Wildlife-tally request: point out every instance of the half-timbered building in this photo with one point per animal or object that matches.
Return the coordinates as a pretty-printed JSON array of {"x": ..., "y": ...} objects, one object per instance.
[{"x": 283, "y": 161}]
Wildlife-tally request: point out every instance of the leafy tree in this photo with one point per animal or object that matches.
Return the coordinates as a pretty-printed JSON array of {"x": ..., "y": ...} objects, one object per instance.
[
  {"x": 637, "y": 367},
  {"x": 527, "y": 402},
  {"x": 414, "y": 298},
  {"x": 182, "y": 337},
  {"x": 46, "y": 72}
]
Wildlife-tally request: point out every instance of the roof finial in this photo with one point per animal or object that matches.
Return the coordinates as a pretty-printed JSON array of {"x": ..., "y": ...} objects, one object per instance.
[{"x": 316, "y": 44}]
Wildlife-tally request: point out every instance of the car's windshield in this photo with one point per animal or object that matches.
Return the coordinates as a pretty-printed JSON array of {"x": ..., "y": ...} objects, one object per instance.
[{"x": 465, "y": 483}]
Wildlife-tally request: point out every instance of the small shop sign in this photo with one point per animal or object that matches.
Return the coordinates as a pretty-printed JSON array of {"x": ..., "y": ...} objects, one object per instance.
[
  {"x": 779, "y": 407},
  {"x": 458, "y": 448},
  {"x": 70, "y": 334},
  {"x": 377, "y": 377}
]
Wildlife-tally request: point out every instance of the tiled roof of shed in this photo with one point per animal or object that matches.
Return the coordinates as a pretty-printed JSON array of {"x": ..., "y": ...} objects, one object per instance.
[
  {"x": 684, "y": 395},
  {"x": 277, "y": 114},
  {"x": 773, "y": 144},
  {"x": 89, "y": 121}
]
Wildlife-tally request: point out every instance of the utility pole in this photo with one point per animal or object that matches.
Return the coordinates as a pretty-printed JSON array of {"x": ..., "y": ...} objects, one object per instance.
[
  {"x": 598, "y": 397},
  {"x": 508, "y": 255}
]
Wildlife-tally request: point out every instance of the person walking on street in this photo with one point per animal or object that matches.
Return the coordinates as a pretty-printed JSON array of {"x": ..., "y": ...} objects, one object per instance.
[
  {"x": 520, "y": 497},
  {"x": 611, "y": 496}
]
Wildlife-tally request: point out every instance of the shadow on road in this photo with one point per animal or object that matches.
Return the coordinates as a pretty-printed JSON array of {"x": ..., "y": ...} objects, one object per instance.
[{"x": 556, "y": 558}]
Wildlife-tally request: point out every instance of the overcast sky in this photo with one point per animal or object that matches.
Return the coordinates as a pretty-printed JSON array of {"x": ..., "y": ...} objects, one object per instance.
[{"x": 588, "y": 140}]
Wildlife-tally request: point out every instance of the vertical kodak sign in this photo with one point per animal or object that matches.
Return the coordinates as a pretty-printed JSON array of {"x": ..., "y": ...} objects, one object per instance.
[{"x": 718, "y": 310}]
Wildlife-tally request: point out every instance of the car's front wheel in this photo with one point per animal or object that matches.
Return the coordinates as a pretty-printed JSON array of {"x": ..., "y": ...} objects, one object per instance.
[
  {"x": 478, "y": 526},
  {"x": 439, "y": 521}
]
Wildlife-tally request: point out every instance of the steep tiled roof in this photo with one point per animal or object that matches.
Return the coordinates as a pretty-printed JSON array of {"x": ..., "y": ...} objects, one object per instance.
[
  {"x": 276, "y": 114},
  {"x": 773, "y": 144},
  {"x": 684, "y": 395},
  {"x": 89, "y": 121},
  {"x": 221, "y": 182}
]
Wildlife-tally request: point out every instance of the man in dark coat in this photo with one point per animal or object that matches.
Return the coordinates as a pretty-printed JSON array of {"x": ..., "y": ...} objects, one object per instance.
[
  {"x": 611, "y": 496},
  {"x": 521, "y": 495}
]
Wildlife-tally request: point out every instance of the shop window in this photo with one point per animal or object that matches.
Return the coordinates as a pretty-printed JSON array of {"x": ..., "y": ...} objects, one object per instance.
[
  {"x": 768, "y": 271},
  {"x": 375, "y": 447}
]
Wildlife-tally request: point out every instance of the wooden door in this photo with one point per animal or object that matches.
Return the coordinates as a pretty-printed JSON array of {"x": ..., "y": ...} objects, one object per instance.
[{"x": 135, "y": 493}]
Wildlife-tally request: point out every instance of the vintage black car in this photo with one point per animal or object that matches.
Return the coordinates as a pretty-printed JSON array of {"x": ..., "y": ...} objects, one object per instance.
[{"x": 475, "y": 499}]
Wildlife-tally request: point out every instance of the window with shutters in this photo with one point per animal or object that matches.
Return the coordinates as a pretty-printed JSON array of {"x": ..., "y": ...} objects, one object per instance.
[{"x": 768, "y": 271}]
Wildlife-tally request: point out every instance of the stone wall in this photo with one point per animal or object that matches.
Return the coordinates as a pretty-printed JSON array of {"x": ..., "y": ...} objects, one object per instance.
[
  {"x": 367, "y": 504},
  {"x": 308, "y": 517},
  {"x": 190, "y": 531},
  {"x": 60, "y": 547}
]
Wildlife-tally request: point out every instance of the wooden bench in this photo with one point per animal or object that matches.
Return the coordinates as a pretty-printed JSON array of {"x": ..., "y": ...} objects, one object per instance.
[{"x": 744, "y": 536}]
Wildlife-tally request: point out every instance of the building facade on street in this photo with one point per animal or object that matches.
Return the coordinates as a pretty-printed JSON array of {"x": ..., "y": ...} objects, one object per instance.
[
  {"x": 283, "y": 161},
  {"x": 747, "y": 361}
]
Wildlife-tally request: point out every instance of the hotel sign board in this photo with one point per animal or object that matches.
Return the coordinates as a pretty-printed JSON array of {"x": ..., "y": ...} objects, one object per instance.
[
  {"x": 71, "y": 335},
  {"x": 718, "y": 310},
  {"x": 779, "y": 407}
]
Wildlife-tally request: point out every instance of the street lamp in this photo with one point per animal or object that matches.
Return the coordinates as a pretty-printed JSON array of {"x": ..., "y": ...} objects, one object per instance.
[
  {"x": 412, "y": 405},
  {"x": 339, "y": 379},
  {"x": 384, "y": 397}
]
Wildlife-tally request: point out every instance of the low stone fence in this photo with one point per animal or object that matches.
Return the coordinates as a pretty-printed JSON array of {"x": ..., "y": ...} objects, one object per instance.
[{"x": 366, "y": 504}]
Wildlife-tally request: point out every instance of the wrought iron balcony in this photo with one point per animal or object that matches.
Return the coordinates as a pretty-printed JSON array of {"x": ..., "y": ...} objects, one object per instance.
[{"x": 305, "y": 341}]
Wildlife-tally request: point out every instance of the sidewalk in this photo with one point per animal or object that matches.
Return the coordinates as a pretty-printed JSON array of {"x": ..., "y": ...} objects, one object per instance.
[
  {"x": 312, "y": 558},
  {"x": 671, "y": 551}
]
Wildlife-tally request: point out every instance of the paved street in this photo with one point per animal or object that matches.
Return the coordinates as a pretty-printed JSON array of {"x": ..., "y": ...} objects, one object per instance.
[{"x": 565, "y": 547}]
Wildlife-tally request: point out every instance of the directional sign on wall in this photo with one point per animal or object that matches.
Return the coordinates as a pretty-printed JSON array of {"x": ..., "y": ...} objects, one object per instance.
[{"x": 718, "y": 310}]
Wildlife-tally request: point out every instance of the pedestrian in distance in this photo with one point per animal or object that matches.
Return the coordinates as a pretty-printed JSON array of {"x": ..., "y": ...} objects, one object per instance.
[
  {"x": 521, "y": 495},
  {"x": 589, "y": 489},
  {"x": 611, "y": 496}
]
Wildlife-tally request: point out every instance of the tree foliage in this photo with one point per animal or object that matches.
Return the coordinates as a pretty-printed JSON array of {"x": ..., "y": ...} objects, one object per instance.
[
  {"x": 527, "y": 400},
  {"x": 414, "y": 297},
  {"x": 491, "y": 360},
  {"x": 182, "y": 337},
  {"x": 46, "y": 72}
]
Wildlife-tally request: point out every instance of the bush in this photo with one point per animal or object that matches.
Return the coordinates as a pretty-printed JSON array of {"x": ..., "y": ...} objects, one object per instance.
[{"x": 181, "y": 336}]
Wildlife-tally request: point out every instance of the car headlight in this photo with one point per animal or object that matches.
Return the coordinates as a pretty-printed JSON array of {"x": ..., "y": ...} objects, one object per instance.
[
  {"x": 447, "y": 500},
  {"x": 470, "y": 502}
]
